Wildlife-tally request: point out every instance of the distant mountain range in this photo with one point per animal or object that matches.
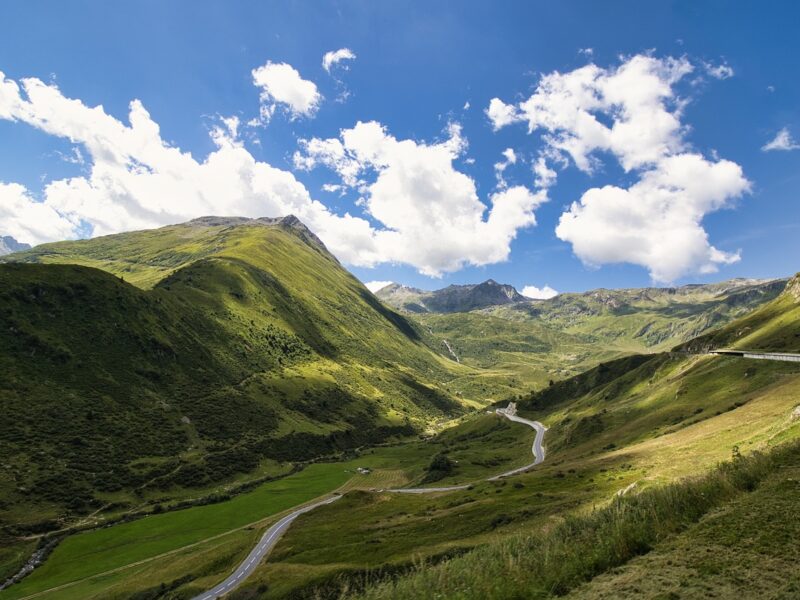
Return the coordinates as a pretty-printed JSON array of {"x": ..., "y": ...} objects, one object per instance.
[
  {"x": 8, "y": 245},
  {"x": 490, "y": 294},
  {"x": 453, "y": 298}
]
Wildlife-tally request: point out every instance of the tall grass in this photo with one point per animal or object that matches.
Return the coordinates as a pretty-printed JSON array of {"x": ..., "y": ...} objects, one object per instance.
[{"x": 554, "y": 562}]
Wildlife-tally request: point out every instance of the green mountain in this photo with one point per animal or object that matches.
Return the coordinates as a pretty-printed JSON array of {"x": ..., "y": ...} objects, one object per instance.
[{"x": 177, "y": 358}]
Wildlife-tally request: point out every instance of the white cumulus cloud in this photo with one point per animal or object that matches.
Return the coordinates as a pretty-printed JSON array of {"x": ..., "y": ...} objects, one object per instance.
[
  {"x": 136, "y": 180},
  {"x": 429, "y": 213},
  {"x": 29, "y": 221},
  {"x": 633, "y": 113},
  {"x": 336, "y": 56},
  {"x": 374, "y": 286},
  {"x": 282, "y": 85},
  {"x": 535, "y": 293},
  {"x": 423, "y": 211},
  {"x": 656, "y": 223},
  {"x": 783, "y": 140}
]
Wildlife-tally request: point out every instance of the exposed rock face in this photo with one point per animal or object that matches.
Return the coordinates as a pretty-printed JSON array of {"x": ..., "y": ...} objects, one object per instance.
[
  {"x": 793, "y": 287},
  {"x": 8, "y": 245},
  {"x": 453, "y": 298}
]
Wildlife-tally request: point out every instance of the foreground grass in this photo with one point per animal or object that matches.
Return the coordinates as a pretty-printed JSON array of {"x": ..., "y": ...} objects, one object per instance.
[
  {"x": 98, "y": 551},
  {"x": 746, "y": 549},
  {"x": 551, "y": 563}
]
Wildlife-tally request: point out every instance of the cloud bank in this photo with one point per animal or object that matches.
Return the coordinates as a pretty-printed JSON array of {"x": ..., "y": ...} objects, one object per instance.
[
  {"x": 632, "y": 113},
  {"x": 429, "y": 212},
  {"x": 422, "y": 211}
]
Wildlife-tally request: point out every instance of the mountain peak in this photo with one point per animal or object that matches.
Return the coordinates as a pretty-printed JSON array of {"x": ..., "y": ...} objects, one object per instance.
[
  {"x": 288, "y": 222},
  {"x": 8, "y": 245},
  {"x": 453, "y": 298}
]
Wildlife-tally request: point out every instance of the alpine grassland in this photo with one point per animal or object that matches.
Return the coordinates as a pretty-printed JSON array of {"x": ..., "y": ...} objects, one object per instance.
[
  {"x": 171, "y": 393},
  {"x": 554, "y": 562},
  {"x": 178, "y": 363}
]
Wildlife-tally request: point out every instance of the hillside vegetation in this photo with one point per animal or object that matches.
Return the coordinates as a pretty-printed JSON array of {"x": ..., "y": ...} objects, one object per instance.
[
  {"x": 151, "y": 371},
  {"x": 624, "y": 427},
  {"x": 200, "y": 353},
  {"x": 522, "y": 345}
]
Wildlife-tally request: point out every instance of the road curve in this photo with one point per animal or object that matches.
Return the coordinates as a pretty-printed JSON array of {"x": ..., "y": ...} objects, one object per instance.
[
  {"x": 267, "y": 543},
  {"x": 537, "y": 449},
  {"x": 273, "y": 534}
]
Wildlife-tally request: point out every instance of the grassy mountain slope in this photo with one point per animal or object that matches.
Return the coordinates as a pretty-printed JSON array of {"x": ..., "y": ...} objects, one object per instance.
[
  {"x": 773, "y": 327},
  {"x": 633, "y": 424},
  {"x": 524, "y": 345},
  {"x": 627, "y": 426},
  {"x": 243, "y": 345},
  {"x": 652, "y": 319}
]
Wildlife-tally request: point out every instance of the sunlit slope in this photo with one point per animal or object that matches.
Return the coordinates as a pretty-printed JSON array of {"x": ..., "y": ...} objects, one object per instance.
[
  {"x": 249, "y": 342},
  {"x": 628, "y": 425},
  {"x": 773, "y": 327},
  {"x": 523, "y": 345}
]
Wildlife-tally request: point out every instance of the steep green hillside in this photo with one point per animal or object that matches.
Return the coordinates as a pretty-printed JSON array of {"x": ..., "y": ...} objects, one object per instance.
[
  {"x": 246, "y": 345},
  {"x": 627, "y": 427}
]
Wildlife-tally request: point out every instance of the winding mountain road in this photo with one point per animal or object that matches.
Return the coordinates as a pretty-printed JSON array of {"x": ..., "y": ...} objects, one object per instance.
[
  {"x": 274, "y": 533},
  {"x": 265, "y": 544},
  {"x": 537, "y": 449}
]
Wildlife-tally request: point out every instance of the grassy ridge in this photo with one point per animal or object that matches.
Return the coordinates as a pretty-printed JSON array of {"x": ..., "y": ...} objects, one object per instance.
[
  {"x": 525, "y": 345},
  {"x": 551, "y": 563},
  {"x": 242, "y": 346}
]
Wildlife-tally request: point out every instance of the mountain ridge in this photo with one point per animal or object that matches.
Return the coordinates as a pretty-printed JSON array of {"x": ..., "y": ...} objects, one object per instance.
[
  {"x": 453, "y": 298},
  {"x": 9, "y": 245},
  {"x": 193, "y": 354}
]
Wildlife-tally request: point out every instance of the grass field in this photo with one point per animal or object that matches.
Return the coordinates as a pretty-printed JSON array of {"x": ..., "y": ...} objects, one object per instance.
[
  {"x": 366, "y": 535},
  {"x": 746, "y": 549},
  {"x": 553, "y": 562},
  {"x": 91, "y": 558},
  {"x": 87, "y": 554}
]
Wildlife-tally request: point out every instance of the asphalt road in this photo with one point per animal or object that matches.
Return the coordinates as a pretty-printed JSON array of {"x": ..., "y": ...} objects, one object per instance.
[
  {"x": 267, "y": 543},
  {"x": 757, "y": 354},
  {"x": 537, "y": 449},
  {"x": 538, "y": 456},
  {"x": 273, "y": 534}
]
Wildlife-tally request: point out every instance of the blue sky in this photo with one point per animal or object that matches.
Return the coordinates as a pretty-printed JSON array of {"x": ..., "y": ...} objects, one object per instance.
[{"x": 423, "y": 76}]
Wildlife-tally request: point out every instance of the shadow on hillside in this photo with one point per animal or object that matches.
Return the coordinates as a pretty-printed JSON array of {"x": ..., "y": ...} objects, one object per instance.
[{"x": 401, "y": 323}]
